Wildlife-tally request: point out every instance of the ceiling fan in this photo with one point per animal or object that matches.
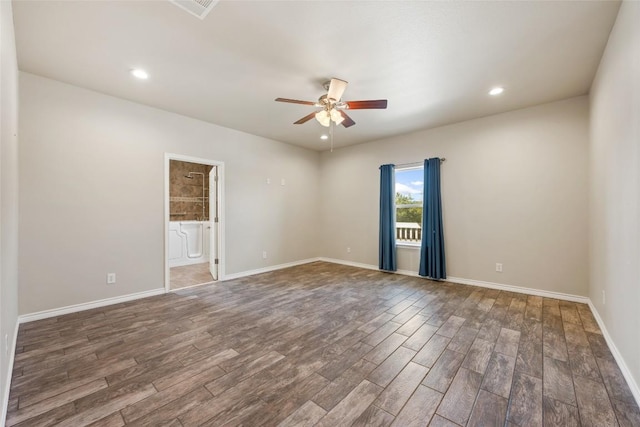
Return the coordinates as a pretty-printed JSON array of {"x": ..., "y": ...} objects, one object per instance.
[{"x": 332, "y": 106}]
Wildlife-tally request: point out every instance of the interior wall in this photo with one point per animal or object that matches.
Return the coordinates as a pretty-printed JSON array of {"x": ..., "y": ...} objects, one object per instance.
[
  {"x": 615, "y": 187},
  {"x": 92, "y": 194},
  {"x": 514, "y": 191},
  {"x": 8, "y": 196}
]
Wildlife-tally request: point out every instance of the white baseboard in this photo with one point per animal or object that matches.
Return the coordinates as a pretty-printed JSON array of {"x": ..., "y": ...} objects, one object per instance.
[
  {"x": 268, "y": 269},
  {"x": 350, "y": 263},
  {"x": 130, "y": 297},
  {"x": 633, "y": 385},
  {"x": 520, "y": 290},
  {"x": 7, "y": 385},
  {"x": 500, "y": 286},
  {"x": 87, "y": 305}
]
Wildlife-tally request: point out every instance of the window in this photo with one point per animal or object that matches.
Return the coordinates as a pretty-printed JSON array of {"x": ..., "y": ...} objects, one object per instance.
[{"x": 409, "y": 187}]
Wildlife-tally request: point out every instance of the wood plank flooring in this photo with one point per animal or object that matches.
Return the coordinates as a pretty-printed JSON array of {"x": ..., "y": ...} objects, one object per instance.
[{"x": 321, "y": 345}]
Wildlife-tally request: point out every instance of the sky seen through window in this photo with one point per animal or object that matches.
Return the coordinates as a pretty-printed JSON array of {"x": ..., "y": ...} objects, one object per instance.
[{"x": 409, "y": 182}]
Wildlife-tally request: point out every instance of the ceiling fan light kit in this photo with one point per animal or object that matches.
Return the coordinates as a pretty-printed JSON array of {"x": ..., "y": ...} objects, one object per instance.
[
  {"x": 336, "y": 116},
  {"x": 323, "y": 118}
]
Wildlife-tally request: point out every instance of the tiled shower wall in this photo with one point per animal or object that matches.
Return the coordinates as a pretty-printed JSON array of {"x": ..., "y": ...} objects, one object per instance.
[{"x": 185, "y": 195}]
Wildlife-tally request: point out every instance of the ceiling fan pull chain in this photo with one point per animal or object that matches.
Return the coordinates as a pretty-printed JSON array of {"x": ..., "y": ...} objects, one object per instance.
[{"x": 331, "y": 133}]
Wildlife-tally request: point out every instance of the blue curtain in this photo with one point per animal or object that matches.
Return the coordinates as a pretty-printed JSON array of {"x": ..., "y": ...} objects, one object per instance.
[
  {"x": 432, "y": 262},
  {"x": 387, "y": 251}
]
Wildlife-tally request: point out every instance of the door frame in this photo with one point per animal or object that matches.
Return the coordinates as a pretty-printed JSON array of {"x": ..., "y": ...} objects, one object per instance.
[{"x": 220, "y": 224}]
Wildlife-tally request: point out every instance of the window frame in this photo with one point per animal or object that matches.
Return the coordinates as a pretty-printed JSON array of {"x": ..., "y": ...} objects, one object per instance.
[{"x": 405, "y": 244}]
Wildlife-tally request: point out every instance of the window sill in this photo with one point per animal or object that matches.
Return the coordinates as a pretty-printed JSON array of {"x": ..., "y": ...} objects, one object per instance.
[{"x": 408, "y": 245}]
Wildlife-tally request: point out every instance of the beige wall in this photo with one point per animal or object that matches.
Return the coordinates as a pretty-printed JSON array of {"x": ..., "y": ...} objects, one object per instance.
[
  {"x": 514, "y": 191},
  {"x": 92, "y": 189},
  {"x": 8, "y": 195},
  {"x": 615, "y": 187}
]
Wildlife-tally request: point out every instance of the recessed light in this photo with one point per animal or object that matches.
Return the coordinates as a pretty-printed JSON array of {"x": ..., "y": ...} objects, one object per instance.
[
  {"x": 324, "y": 137},
  {"x": 496, "y": 91},
  {"x": 140, "y": 73}
]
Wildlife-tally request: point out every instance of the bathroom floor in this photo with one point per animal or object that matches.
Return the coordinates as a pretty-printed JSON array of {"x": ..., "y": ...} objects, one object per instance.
[{"x": 189, "y": 275}]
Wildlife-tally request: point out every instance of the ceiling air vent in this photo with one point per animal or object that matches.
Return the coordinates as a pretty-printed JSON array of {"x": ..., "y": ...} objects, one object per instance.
[{"x": 198, "y": 8}]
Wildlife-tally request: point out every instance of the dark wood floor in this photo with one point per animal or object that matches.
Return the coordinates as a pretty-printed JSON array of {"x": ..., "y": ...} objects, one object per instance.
[{"x": 324, "y": 345}]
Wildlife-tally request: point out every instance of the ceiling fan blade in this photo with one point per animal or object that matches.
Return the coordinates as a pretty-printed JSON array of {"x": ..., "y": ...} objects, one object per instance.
[
  {"x": 348, "y": 121},
  {"x": 336, "y": 89},
  {"x": 305, "y": 118},
  {"x": 367, "y": 105},
  {"x": 295, "y": 101}
]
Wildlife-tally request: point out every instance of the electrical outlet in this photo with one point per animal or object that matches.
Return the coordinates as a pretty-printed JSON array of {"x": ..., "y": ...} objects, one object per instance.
[
  {"x": 604, "y": 297},
  {"x": 348, "y": 250},
  {"x": 268, "y": 180},
  {"x": 498, "y": 267},
  {"x": 111, "y": 278},
  {"x": 264, "y": 254},
  {"x": 282, "y": 181}
]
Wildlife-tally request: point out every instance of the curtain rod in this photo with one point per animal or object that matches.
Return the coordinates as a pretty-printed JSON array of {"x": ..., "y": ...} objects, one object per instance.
[{"x": 406, "y": 165}]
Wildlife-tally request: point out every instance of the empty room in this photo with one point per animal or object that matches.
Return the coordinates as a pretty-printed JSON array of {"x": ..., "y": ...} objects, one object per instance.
[{"x": 319, "y": 213}]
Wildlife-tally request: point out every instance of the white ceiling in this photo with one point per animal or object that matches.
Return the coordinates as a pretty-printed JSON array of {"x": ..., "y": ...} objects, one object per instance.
[{"x": 433, "y": 61}]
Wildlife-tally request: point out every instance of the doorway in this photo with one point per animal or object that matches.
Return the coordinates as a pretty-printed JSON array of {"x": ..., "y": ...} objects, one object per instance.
[{"x": 194, "y": 245}]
